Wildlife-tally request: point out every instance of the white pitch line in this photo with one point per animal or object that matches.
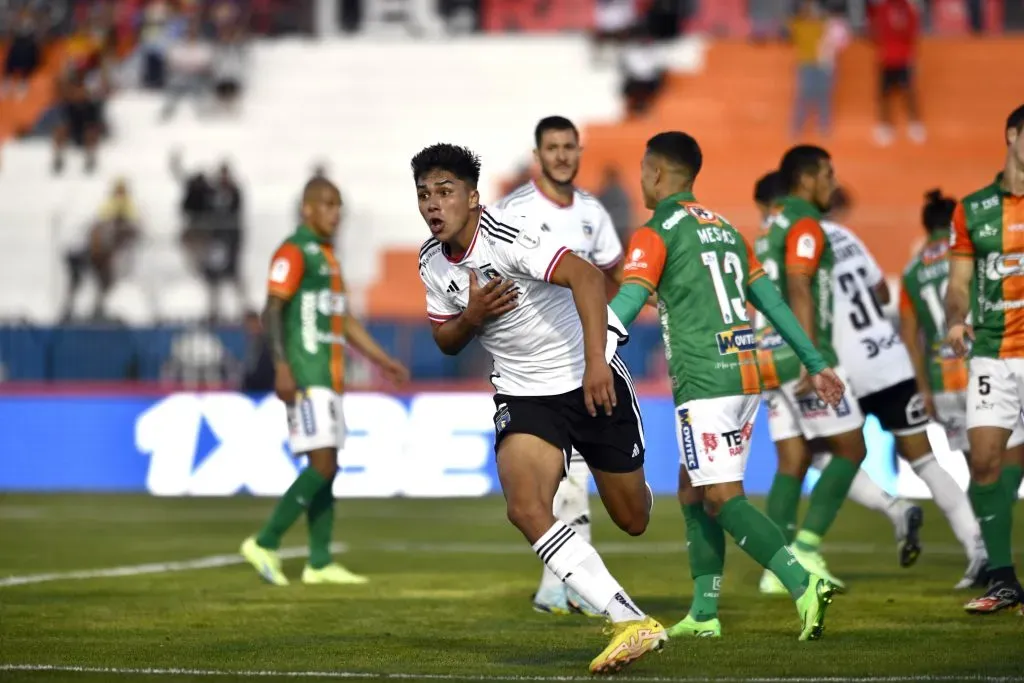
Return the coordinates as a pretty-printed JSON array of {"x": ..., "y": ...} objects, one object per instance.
[
  {"x": 208, "y": 562},
  {"x": 360, "y": 675}
]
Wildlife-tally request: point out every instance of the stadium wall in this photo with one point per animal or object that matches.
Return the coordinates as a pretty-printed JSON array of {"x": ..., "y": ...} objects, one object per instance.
[{"x": 420, "y": 445}]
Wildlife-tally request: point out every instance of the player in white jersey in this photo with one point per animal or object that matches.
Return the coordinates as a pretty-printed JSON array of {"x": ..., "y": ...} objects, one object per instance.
[
  {"x": 542, "y": 314},
  {"x": 883, "y": 380},
  {"x": 579, "y": 221}
]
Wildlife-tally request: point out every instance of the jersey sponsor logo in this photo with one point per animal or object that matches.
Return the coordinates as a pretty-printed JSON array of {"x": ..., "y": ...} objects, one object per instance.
[
  {"x": 311, "y": 248},
  {"x": 1015, "y": 227},
  {"x": 715, "y": 235},
  {"x": 735, "y": 341},
  {"x": 770, "y": 340},
  {"x": 734, "y": 441},
  {"x": 805, "y": 246},
  {"x": 330, "y": 303},
  {"x": 875, "y": 346},
  {"x": 989, "y": 202},
  {"x": 279, "y": 270},
  {"x": 636, "y": 261},
  {"x": 545, "y": 227},
  {"x": 526, "y": 240},
  {"x": 307, "y": 416},
  {"x": 686, "y": 437},
  {"x": 987, "y": 230},
  {"x": 673, "y": 220},
  {"x": 1000, "y": 266}
]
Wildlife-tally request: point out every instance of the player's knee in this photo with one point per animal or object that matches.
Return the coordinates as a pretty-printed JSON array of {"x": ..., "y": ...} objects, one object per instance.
[{"x": 529, "y": 517}]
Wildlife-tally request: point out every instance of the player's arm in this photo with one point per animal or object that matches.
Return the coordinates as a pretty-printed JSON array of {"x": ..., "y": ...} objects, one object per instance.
[
  {"x": 642, "y": 274},
  {"x": 362, "y": 341},
  {"x": 608, "y": 249},
  {"x": 765, "y": 297},
  {"x": 286, "y": 271},
  {"x": 805, "y": 243},
  {"x": 910, "y": 333},
  {"x": 961, "y": 273}
]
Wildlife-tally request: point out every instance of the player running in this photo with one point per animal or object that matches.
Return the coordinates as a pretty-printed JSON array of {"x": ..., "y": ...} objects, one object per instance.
[
  {"x": 542, "y": 313},
  {"x": 796, "y": 255},
  {"x": 691, "y": 257},
  {"x": 308, "y": 324},
  {"x": 988, "y": 242},
  {"x": 578, "y": 221}
]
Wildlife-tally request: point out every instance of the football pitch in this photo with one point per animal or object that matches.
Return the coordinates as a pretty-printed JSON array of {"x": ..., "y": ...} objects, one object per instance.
[{"x": 141, "y": 589}]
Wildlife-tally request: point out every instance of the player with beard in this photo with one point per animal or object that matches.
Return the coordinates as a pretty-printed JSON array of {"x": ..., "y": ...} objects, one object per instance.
[{"x": 577, "y": 220}]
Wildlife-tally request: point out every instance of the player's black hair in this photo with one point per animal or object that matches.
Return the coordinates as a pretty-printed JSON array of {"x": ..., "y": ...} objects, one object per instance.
[
  {"x": 553, "y": 123},
  {"x": 937, "y": 213},
  {"x": 461, "y": 162},
  {"x": 679, "y": 148},
  {"x": 768, "y": 188},
  {"x": 800, "y": 160},
  {"x": 1015, "y": 121}
]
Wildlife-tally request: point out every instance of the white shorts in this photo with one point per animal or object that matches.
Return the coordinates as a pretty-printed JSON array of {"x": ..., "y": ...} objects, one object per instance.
[
  {"x": 994, "y": 393},
  {"x": 951, "y": 413},
  {"x": 790, "y": 416},
  {"x": 714, "y": 437},
  {"x": 315, "y": 421}
]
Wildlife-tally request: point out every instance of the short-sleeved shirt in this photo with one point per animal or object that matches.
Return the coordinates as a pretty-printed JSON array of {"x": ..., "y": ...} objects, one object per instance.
[
  {"x": 583, "y": 224},
  {"x": 988, "y": 227},
  {"x": 538, "y": 346}
]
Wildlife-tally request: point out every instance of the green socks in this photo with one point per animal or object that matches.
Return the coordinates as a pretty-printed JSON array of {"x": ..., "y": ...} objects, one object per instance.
[
  {"x": 828, "y": 495},
  {"x": 320, "y": 515},
  {"x": 297, "y": 498},
  {"x": 1011, "y": 478},
  {"x": 994, "y": 509},
  {"x": 763, "y": 541},
  {"x": 705, "y": 543},
  {"x": 783, "y": 503}
]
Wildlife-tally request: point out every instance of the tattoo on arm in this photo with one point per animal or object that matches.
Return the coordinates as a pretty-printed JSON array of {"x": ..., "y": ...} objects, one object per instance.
[{"x": 274, "y": 324}]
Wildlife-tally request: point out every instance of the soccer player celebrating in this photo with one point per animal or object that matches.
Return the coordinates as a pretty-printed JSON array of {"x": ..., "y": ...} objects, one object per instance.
[
  {"x": 796, "y": 255},
  {"x": 308, "y": 323},
  {"x": 542, "y": 313},
  {"x": 578, "y": 221},
  {"x": 690, "y": 257},
  {"x": 988, "y": 234}
]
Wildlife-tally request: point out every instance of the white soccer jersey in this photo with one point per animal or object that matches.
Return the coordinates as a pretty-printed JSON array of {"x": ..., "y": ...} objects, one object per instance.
[
  {"x": 869, "y": 348},
  {"x": 583, "y": 225},
  {"x": 538, "y": 346}
]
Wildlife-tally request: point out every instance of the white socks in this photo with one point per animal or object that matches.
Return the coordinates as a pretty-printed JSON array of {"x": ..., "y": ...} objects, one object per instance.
[
  {"x": 864, "y": 491},
  {"x": 953, "y": 502},
  {"x": 574, "y": 561},
  {"x": 572, "y": 506}
]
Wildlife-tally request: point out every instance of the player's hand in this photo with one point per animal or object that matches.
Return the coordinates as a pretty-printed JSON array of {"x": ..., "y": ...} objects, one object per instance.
[
  {"x": 959, "y": 337},
  {"x": 828, "y": 387},
  {"x": 599, "y": 388},
  {"x": 929, "y": 402},
  {"x": 395, "y": 372},
  {"x": 489, "y": 301},
  {"x": 284, "y": 383}
]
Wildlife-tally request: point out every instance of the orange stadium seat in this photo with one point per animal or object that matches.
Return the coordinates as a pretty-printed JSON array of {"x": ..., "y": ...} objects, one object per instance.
[
  {"x": 19, "y": 115},
  {"x": 739, "y": 106}
]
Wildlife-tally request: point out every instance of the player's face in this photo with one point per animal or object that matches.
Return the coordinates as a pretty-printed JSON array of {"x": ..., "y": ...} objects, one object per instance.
[
  {"x": 1016, "y": 140},
  {"x": 559, "y": 156},
  {"x": 445, "y": 203},
  {"x": 824, "y": 185},
  {"x": 323, "y": 211},
  {"x": 649, "y": 177}
]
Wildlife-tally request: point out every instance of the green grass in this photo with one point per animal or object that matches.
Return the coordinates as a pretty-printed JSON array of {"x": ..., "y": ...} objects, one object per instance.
[{"x": 451, "y": 582}]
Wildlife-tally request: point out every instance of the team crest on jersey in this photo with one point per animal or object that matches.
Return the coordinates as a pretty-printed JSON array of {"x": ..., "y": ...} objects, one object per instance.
[
  {"x": 502, "y": 419},
  {"x": 588, "y": 229},
  {"x": 735, "y": 341},
  {"x": 688, "y": 442},
  {"x": 703, "y": 215}
]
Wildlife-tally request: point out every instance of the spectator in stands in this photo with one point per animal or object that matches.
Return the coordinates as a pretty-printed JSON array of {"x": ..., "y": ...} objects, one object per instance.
[
  {"x": 894, "y": 26},
  {"x": 160, "y": 27},
  {"x": 199, "y": 360},
  {"x": 643, "y": 72},
  {"x": 81, "y": 121},
  {"x": 229, "y": 66},
  {"x": 24, "y": 55},
  {"x": 615, "y": 199},
  {"x": 612, "y": 21},
  {"x": 107, "y": 247},
  {"x": 258, "y": 365},
  {"x": 189, "y": 64},
  {"x": 814, "y": 74}
]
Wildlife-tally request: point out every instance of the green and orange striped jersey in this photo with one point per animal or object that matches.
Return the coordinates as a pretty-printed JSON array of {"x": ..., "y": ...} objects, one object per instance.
[
  {"x": 988, "y": 226},
  {"x": 700, "y": 266},
  {"x": 305, "y": 273},
  {"x": 792, "y": 242},
  {"x": 922, "y": 297}
]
